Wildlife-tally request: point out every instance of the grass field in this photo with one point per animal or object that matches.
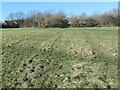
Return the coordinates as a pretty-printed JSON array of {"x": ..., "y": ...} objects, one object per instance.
[{"x": 60, "y": 58}]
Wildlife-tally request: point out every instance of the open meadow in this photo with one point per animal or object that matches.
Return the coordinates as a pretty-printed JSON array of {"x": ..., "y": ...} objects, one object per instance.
[{"x": 60, "y": 57}]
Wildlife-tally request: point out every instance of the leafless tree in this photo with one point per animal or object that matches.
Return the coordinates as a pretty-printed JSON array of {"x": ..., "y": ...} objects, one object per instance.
[
  {"x": 74, "y": 22},
  {"x": 12, "y": 16}
]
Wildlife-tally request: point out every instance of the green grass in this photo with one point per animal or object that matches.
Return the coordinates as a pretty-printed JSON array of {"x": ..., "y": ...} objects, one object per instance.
[{"x": 61, "y": 58}]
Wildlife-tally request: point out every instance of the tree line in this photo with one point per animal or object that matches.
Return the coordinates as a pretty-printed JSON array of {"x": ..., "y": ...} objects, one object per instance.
[{"x": 47, "y": 19}]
